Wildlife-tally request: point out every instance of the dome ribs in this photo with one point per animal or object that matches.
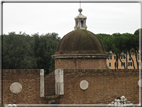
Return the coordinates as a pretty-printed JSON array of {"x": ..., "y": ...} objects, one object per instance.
[{"x": 80, "y": 41}]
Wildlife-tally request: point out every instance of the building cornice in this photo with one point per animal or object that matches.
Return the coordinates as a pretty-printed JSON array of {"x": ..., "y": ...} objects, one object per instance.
[{"x": 81, "y": 56}]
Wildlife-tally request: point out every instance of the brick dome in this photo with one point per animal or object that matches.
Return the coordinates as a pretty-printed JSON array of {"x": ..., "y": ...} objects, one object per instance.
[{"x": 80, "y": 41}]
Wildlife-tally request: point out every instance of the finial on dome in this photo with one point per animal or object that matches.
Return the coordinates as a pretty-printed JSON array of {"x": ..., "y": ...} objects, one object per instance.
[{"x": 80, "y": 10}]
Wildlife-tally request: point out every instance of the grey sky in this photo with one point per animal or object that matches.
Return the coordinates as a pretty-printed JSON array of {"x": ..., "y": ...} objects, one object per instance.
[{"x": 59, "y": 17}]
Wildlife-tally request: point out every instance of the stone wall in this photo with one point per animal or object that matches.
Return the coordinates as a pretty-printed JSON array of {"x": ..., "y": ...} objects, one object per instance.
[
  {"x": 104, "y": 86},
  {"x": 30, "y": 81},
  {"x": 80, "y": 63}
]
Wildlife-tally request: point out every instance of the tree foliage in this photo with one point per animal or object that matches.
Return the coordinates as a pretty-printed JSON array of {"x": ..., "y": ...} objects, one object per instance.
[
  {"x": 122, "y": 43},
  {"x": 22, "y": 51}
]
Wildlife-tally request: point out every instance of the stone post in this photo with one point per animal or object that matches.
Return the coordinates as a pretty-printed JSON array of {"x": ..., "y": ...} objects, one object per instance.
[
  {"x": 59, "y": 82},
  {"x": 41, "y": 82}
]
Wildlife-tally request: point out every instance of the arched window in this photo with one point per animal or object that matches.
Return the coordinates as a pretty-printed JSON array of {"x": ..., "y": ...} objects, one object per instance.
[{"x": 81, "y": 23}]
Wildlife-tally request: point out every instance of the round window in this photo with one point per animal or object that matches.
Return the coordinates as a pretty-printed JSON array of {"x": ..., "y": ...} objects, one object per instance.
[
  {"x": 84, "y": 84},
  {"x": 140, "y": 82},
  {"x": 16, "y": 87}
]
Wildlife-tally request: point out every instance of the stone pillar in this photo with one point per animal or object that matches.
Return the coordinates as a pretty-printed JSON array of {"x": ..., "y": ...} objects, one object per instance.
[
  {"x": 41, "y": 82},
  {"x": 59, "y": 82}
]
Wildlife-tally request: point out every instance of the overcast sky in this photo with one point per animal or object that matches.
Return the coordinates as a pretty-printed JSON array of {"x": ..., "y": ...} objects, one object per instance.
[{"x": 59, "y": 17}]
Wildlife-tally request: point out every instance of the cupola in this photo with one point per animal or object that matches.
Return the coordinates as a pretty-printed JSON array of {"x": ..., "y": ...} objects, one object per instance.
[{"x": 80, "y": 21}]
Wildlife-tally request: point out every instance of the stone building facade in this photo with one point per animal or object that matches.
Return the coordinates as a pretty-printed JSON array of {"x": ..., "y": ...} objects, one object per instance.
[{"x": 111, "y": 61}]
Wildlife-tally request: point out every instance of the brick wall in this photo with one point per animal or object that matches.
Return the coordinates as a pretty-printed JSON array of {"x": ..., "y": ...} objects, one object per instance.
[
  {"x": 50, "y": 84},
  {"x": 104, "y": 86},
  {"x": 30, "y": 81},
  {"x": 80, "y": 63}
]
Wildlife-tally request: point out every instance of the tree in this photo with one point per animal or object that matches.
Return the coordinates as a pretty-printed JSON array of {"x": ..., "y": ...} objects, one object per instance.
[
  {"x": 135, "y": 39},
  {"x": 17, "y": 52},
  {"x": 22, "y": 51},
  {"x": 118, "y": 44}
]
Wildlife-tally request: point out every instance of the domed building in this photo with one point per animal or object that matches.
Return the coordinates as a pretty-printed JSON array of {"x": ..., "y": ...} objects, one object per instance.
[
  {"x": 80, "y": 76},
  {"x": 80, "y": 48}
]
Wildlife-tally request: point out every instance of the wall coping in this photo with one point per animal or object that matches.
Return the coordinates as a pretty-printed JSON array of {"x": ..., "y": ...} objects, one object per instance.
[
  {"x": 50, "y": 97},
  {"x": 99, "y": 71},
  {"x": 80, "y": 56}
]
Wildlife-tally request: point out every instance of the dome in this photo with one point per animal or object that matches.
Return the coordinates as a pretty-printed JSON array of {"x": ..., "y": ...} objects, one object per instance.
[{"x": 80, "y": 41}]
